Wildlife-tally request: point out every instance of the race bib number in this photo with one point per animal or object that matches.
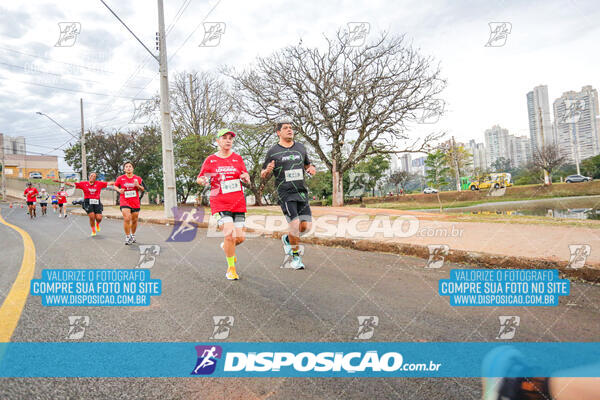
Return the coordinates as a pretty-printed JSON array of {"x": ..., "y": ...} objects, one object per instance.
[
  {"x": 294, "y": 175},
  {"x": 130, "y": 193},
  {"x": 233, "y": 185},
  {"x": 94, "y": 201}
]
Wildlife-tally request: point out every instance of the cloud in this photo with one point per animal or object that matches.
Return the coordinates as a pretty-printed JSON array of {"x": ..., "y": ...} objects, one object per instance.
[{"x": 13, "y": 24}]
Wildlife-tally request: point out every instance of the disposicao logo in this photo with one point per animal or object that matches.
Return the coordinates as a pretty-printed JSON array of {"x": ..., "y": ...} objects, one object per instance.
[{"x": 207, "y": 359}]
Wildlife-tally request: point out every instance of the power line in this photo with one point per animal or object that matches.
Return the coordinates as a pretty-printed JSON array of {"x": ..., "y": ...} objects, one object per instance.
[
  {"x": 182, "y": 9},
  {"x": 58, "y": 75},
  {"x": 60, "y": 62},
  {"x": 68, "y": 90}
]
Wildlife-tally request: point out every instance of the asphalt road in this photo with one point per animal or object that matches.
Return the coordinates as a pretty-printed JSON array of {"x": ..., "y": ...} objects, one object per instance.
[{"x": 269, "y": 303}]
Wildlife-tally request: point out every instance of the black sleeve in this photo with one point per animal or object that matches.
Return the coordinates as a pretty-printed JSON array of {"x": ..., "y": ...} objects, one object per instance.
[
  {"x": 306, "y": 159},
  {"x": 267, "y": 158}
]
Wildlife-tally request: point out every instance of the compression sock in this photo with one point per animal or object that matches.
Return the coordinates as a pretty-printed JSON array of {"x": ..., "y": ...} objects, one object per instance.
[{"x": 231, "y": 262}]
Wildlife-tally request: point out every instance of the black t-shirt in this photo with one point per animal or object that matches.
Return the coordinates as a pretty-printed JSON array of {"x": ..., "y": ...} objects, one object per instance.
[{"x": 289, "y": 171}]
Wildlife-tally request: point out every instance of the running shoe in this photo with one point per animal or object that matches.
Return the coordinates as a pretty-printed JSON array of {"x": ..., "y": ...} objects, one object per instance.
[
  {"x": 232, "y": 274},
  {"x": 93, "y": 233},
  {"x": 505, "y": 360},
  {"x": 287, "y": 248},
  {"x": 297, "y": 263},
  {"x": 132, "y": 238},
  {"x": 127, "y": 240}
]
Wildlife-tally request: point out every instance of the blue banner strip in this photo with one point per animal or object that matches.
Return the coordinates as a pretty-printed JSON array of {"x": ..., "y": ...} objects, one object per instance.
[{"x": 298, "y": 359}]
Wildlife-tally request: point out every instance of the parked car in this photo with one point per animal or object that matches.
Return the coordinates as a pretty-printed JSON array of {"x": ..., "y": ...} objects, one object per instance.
[
  {"x": 429, "y": 190},
  {"x": 35, "y": 175},
  {"x": 577, "y": 178}
]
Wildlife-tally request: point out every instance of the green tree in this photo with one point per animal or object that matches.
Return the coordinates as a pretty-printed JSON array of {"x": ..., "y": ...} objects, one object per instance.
[
  {"x": 591, "y": 167},
  {"x": 437, "y": 172},
  {"x": 458, "y": 159},
  {"x": 375, "y": 167},
  {"x": 105, "y": 153},
  {"x": 502, "y": 165},
  {"x": 399, "y": 179},
  {"x": 190, "y": 153},
  {"x": 146, "y": 156}
]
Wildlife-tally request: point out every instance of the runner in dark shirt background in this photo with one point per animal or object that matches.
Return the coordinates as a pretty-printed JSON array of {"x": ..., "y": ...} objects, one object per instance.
[{"x": 288, "y": 160}]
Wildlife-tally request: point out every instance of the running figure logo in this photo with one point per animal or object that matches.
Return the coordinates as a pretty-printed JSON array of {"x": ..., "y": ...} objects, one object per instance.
[
  {"x": 207, "y": 359},
  {"x": 185, "y": 227},
  {"x": 222, "y": 328},
  {"x": 508, "y": 326},
  {"x": 288, "y": 258},
  {"x": 579, "y": 253},
  {"x": 148, "y": 255},
  {"x": 77, "y": 325},
  {"x": 68, "y": 34},
  {"x": 573, "y": 111},
  {"x": 499, "y": 32},
  {"x": 357, "y": 33},
  {"x": 366, "y": 326},
  {"x": 437, "y": 255},
  {"x": 212, "y": 34}
]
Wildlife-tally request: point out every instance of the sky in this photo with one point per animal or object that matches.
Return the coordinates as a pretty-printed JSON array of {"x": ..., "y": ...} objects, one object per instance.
[{"x": 554, "y": 43}]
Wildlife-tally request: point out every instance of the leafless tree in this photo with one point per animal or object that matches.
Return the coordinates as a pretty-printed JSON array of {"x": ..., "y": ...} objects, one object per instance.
[
  {"x": 200, "y": 103},
  {"x": 548, "y": 158},
  {"x": 347, "y": 102},
  {"x": 399, "y": 179}
]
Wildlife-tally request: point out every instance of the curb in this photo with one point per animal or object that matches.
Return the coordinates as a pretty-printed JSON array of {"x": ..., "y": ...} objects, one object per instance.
[{"x": 589, "y": 274}]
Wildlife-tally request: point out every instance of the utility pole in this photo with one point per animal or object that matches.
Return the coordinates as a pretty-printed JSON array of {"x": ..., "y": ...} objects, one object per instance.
[
  {"x": 170, "y": 193},
  {"x": 455, "y": 160},
  {"x": 169, "y": 189},
  {"x": 83, "y": 151},
  {"x": 546, "y": 174},
  {"x": 575, "y": 147}
]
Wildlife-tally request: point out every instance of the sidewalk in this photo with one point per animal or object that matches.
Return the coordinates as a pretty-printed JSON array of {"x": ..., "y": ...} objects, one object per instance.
[{"x": 477, "y": 243}]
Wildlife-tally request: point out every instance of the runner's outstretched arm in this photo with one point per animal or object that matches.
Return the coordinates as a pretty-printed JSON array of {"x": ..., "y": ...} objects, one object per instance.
[{"x": 64, "y": 183}]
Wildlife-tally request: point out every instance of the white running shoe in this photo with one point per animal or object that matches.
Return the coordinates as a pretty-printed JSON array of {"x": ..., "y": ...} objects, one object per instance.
[
  {"x": 287, "y": 248},
  {"x": 297, "y": 263}
]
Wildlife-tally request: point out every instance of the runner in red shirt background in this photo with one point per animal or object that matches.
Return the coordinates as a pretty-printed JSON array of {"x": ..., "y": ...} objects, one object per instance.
[
  {"x": 91, "y": 199},
  {"x": 130, "y": 186},
  {"x": 226, "y": 171},
  {"x": 30, "y": 194},
  {"x": 62, "y": 195}
]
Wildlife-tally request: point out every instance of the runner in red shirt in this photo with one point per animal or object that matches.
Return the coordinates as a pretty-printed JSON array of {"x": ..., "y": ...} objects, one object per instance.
[
  {"x": 91, "y": 199},
  {"x": 30, "y": 194},
  {"x": 130, "y": 186},
  {"x": 226, "y": 171},
  {"x": 62, "y": 195}
]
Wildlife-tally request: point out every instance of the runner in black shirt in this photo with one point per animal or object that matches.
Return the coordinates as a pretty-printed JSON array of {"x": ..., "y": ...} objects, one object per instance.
[{"x": 288, "y": 160}]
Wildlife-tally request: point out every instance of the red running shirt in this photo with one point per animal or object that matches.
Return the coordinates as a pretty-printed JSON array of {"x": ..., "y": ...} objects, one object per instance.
[
  {"x": 31, "y": 194},
  {"x": 226, "y": 191},
  {"x": 62, "y": 197},
  {"x": 91, "y": 191},
  {"x": 131, "y": 197}
]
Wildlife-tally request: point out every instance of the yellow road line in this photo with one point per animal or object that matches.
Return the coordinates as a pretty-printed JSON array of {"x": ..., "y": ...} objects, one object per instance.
[{"x": 11, "y": 309}]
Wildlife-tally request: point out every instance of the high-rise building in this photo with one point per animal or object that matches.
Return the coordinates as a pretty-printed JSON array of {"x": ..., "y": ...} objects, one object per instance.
[
  {"x": 577, "y": 124},
  {"x": 12, "y": 145},
  {"x": 418, "y": 166},
  {"x": 540, "y": 123},
  {"x": 479, "y": 155},
  {"x": 496, "y": 144},
  {"x": 519, "y": 150}
]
